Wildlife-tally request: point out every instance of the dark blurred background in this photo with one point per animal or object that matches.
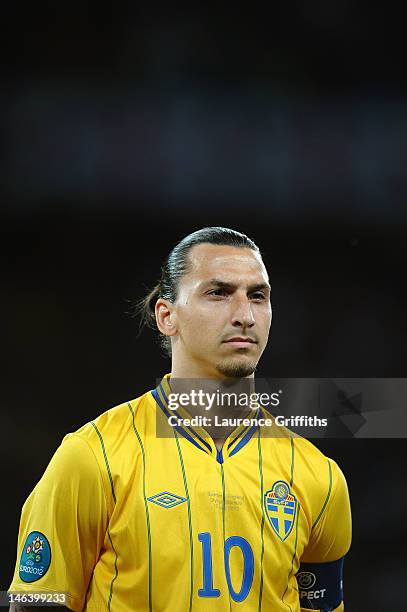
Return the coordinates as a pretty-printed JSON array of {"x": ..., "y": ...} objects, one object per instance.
[{"x": 123, "y": 129}]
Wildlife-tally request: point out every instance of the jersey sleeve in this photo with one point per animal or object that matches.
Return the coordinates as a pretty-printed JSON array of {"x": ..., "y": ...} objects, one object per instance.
[
  {"x": 320, "y": 576},
  {"x": 331, "y": 531},
  {"x": 63, "y": 524}
]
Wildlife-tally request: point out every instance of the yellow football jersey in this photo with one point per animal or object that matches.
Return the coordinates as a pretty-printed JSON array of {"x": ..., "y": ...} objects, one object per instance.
[{"x": 124, "y": 520}]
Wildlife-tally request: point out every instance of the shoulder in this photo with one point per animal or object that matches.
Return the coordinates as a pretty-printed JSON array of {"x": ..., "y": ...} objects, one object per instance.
[
  {"x": 308, "y": 463},
  {"x": 314, "y": 468},
  {"x": 108, "y": 444},
  {"x": 314, "y": 465},
  {"x": 319, "y": 480},
  {"x": 112, "y": 427}
]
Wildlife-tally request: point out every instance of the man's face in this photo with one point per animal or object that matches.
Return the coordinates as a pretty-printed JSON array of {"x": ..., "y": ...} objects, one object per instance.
[{"x": 223, "y": 311}]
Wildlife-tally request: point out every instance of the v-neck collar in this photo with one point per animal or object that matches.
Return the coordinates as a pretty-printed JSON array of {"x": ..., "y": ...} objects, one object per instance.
[{"x": 198, "y": 436}]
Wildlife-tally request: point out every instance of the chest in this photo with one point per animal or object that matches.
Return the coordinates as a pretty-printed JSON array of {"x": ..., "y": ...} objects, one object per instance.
[{"x": 240, "y": 518}]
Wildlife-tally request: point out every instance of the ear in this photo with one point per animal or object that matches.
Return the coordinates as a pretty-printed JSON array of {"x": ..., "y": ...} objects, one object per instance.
[{"x": 165, "y": 317}]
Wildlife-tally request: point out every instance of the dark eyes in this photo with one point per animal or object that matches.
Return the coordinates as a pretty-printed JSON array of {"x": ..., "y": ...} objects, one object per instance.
[
  {"x": 258, "y": 295},
  {"x": 218, "y": 292}
]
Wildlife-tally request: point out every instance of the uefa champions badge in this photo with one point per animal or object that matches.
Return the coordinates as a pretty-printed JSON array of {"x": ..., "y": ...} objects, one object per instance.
[
  {"x": 35, "y": 558},
  {"x": 281, "y": 507}
]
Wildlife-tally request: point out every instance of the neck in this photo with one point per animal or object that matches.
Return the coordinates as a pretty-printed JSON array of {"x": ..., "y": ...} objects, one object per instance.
[{"x": 224, "y": 397}]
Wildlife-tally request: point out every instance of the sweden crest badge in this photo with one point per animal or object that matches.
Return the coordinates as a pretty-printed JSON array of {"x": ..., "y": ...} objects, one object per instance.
[{"x": 280, "y": 507}]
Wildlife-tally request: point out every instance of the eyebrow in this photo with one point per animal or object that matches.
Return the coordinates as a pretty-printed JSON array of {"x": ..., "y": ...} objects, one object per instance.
[{"x": 216, "y": 282}]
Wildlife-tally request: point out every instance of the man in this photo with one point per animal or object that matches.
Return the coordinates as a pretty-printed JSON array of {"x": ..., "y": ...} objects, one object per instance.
[{"x": 139, "y": 512}]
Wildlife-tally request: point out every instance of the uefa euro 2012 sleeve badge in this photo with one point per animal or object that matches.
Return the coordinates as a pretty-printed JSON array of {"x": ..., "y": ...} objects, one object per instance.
[
  {"x": 280, "y": 506},
  {"x": 35, "y": 557}
]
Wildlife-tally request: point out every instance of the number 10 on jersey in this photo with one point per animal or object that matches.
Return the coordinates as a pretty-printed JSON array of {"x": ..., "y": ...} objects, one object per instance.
[{"x": 208, "y": 589}]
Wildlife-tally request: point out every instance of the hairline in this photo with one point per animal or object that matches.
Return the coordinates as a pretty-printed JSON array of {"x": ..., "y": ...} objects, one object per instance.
[{"x": 232, "y": 246}]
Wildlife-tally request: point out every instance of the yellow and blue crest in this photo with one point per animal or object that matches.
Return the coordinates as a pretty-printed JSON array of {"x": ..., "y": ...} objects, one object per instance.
[{"x": 281, "y": 507}]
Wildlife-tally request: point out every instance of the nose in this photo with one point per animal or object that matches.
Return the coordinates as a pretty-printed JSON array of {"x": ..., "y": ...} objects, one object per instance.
[{"x": 243, "y": 314}]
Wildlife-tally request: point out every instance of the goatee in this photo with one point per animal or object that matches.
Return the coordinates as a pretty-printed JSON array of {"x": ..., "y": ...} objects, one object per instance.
[{"x": 233, "y": 369}]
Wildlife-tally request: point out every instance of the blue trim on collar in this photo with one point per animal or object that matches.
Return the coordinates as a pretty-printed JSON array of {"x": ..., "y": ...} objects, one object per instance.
[
  {"x": 238, "y": 436},
  {"x": 177, "y": 427},
  {"x": 208, "y": 446},
  {"x": 244, "y": 440}
]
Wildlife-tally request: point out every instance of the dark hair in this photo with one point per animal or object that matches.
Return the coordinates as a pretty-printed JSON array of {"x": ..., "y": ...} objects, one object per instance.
[{"x": 177, "y": 264}]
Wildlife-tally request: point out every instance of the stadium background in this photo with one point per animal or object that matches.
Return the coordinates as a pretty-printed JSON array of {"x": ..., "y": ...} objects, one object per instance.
[{"x": 123, "y": 130}]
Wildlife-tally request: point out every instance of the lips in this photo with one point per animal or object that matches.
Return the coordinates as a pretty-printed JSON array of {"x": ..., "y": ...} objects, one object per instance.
[{"x": 240, "y": 341}]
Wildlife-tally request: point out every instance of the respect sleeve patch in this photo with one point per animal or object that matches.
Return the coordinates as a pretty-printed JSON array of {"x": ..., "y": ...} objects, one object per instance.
[
  {"x": 35, "y": 557},
  {"x": 320, "y": 585}
]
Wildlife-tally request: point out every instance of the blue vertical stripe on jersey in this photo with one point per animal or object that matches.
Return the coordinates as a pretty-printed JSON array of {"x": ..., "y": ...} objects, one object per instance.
[
  {"x": 292, "y": 461},
  {"x": 262, "y": 517},
  {"x": 296, "y": 524},
  {"x": 114, "y": 498},
  {"x": 327, "y": 496},
  {"x": 106, "y": 460},
  {"x": 191, "y": 542},
  {"x": 116, "y": 571},
  {"x": 150, "y": 606},
  {"x": 223, "y": 518},
  {"x": 293, "y": 557}
]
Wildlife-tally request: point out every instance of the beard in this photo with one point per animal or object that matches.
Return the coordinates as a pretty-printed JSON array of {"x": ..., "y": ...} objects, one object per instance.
[{"x": 236, "y": 369}]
